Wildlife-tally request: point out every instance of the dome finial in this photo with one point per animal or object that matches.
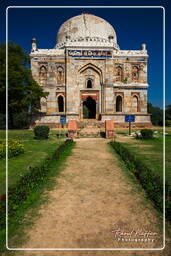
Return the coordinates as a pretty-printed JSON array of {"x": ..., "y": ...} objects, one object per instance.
[{"x": 86, "y": 12}]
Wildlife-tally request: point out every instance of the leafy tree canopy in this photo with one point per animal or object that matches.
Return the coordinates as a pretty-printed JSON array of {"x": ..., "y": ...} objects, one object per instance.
[
  {"x": 23, "y": 91},
  {"x": 156, "y": 114},
  {"x": 168, "y": 112}
]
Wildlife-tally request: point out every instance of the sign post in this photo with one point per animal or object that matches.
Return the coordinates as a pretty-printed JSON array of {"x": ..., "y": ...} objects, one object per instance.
[
  {"x": 129, "y": 118},
  {"x": 129, "y": 128},
  {"x": 63, "y": 120}
]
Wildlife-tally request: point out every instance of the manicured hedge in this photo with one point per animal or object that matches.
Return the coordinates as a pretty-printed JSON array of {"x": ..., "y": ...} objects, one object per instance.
[
  {"x": 15, "y": 147},
  {"x": 147, "y": 134},
  {"x": 152, "y": 182},
  {"x": 35, "y": 178},
  {"x": 41, "y": 132}
]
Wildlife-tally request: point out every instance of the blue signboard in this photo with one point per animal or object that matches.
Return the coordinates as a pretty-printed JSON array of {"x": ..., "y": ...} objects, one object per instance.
[
  {"x": 129, "y": 118},
  {"x": 63, "y": 119}
]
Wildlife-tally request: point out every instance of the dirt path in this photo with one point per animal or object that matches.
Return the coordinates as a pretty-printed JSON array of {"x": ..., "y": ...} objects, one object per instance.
[{"x": 93, "y": 197}]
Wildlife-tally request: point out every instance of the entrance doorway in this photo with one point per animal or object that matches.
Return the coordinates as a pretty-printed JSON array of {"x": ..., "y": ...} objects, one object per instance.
[{"x": 89, "y": 108}]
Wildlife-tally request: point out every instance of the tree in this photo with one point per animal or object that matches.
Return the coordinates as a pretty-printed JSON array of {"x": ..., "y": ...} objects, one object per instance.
[
  {"x": 168, "y": 115},
  {"x": 156, "y": 114},
  {"x": 168, "y": 112},
  {"x": 24, "y": 93}
]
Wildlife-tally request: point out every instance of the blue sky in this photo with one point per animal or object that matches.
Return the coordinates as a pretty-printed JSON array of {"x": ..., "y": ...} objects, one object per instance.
[{"x": 133, "y": 27}]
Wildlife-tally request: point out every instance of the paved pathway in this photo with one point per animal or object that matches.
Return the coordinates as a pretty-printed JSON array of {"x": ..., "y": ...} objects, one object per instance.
[{"x": 93, "y": 197}]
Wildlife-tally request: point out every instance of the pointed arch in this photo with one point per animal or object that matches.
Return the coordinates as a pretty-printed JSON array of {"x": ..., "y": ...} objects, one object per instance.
[
  {"x": 60, "y": 74},
  {"x": 89, "y": 83},
  {"x": 43, "y": 72},
  {"x": 135, "y": 103},
  {"x": 60, "y": 102},
  {"x": 95, "y": 68},
  {"x": 43, "y": 104},
  {"x": 43, "y": 68},
  {"x": 135, "y": 73},
  {"x": 119, "y": 73},
  {"x": 118, "y": 103}
]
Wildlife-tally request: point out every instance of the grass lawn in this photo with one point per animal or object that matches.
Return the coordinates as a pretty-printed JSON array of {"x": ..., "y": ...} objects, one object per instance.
[
  {"x": 151, "y": 152},
  {"x": 35, "y": 151},
  {"x": 125, "y": 131}
]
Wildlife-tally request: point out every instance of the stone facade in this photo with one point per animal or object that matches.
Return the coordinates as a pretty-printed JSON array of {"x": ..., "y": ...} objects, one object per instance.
[{"x": 88, "y": 76}]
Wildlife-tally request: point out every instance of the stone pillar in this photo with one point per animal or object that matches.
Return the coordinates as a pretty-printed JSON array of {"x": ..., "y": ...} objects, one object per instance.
[
  {"x": 81, "y": 110},
  {"x": 72, "y": 128},
  {"x": 109, "y": 97},
  {"x": 97, "y": 110},
  {"x": 102, "y": 99},
  {"x": 143, "y": 47},
  {"x": 109, "y": 128}
]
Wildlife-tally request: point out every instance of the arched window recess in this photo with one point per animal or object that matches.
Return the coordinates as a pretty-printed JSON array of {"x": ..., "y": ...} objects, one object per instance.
[
  {"x": 135, "y": 104},
  {"x": 135, "y": 73},
  {"x": 43, "y": 72},
  {"x": 118, "y": 103},
  {"x": 60, "y": 101},
  {"x": 89, "y": 83},
  {"x": 119, "y": 73}
]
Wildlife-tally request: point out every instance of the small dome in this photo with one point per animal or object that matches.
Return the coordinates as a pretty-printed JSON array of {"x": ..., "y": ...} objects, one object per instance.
[{"x": 86, "y": 27}]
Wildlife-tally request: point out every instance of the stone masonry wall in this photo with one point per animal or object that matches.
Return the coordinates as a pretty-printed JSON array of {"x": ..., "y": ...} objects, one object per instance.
[{"x": 122, "y": 75}]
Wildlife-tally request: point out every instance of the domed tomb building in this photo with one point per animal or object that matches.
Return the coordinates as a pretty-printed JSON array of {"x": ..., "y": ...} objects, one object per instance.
[{"x": 87, "y": 76}]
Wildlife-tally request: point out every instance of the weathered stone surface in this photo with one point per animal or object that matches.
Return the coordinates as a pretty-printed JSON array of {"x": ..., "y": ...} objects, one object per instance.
[
  {"x": 72, "y": 128},
  {"x": 109, "y": 128},
  {"x": 87, "y": 62},
  {"x": 109, "y": 125},
  {"x": 72, "y": 125}
]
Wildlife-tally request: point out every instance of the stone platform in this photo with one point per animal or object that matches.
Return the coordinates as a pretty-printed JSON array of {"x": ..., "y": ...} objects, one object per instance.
[
  {"x": 54, "y": 122},
  {"x": 88, "y": 123}
]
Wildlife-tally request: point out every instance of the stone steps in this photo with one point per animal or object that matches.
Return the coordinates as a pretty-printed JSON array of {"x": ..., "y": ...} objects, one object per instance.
[
  {"x": 89, "y": 132},
  {"x": 91, "y": 123}
]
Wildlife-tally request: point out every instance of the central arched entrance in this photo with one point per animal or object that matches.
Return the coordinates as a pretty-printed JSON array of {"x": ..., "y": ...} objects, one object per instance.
[{"x": 89, "y": 108}]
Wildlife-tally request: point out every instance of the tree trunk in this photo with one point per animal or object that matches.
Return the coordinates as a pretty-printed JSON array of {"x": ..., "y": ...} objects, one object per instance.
[{"x": 10, "y": 119}]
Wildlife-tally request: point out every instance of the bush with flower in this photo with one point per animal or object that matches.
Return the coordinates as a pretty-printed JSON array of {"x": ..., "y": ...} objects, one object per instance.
[{"x": 15, "y": 147}]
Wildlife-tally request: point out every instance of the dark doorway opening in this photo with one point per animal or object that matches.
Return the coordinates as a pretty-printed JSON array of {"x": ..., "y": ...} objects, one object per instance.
[
  {"x": 89, "y": 108},
  {"x": 60, "y": 104},
  {"x": 118, "y": 104}
]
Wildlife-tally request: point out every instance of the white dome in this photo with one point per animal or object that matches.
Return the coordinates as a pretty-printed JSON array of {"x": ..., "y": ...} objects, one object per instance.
[{"x": 86, "y": 30}]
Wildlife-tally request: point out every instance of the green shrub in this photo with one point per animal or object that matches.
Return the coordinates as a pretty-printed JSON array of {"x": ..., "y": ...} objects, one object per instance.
[
  {"x": 168, "y": 122},
  {"x": 2, "y": 121},
  {"x": 21, "y": 120},
  {"x": 61, "y": 133},
  {"x": 41, "y": 132},
  {"x": 150, "y": 181},
  {"x": 15, "y": 147},
  {"x": 34, "y": 178},
  {"x": 147, "y": 134}
]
